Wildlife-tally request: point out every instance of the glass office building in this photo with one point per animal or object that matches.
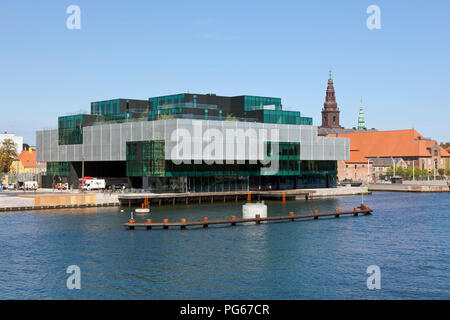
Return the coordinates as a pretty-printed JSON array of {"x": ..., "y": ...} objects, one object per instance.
[{"x": 192, "y": 142}]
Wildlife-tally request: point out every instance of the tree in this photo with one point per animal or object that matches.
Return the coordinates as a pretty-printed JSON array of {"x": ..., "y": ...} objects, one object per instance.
[
  {"x": 230, "y": 117},
  {"x": 165, "y": 116},
  {"x": 445, "y": 145},
  {"x": 441, "y": 172},
  {"x": 7, "y": 154}
]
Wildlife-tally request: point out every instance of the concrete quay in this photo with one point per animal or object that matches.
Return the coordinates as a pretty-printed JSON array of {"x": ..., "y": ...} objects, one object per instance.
[
  {"x": 46, "y": 199},
  {"x": 335, "y": 192},
  {"x": 408, "y": 188},
  {"x": 26, "y": 201},
  {"x": 224, "y": 196}
]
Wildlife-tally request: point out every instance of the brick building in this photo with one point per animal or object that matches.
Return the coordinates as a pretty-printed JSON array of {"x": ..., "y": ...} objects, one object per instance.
[{"x": 406, "y": 148}]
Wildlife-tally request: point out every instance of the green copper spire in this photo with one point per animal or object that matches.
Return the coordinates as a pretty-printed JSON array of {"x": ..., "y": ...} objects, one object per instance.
[
  {"x": 330, "y": 77},
  {"x": 361, "y": 120}
]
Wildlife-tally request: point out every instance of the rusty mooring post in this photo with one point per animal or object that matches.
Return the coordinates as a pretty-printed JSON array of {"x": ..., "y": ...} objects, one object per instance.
[
  {"x": 165, "y": 226},
  {"x": 205, "y": 224},
  {"x": 183, "y": 226},
  {"x": 131, "y": 227},
  {"x": 149, "y": 221},
  {"x": 336, "y": 213},
  {"x": 233, "y": 218},
  {"x": 291, "y": 214},
  {"x": 316, "y": 214},
  {"x": 258, "y": 216},
  {"x": 249, "y": 197},
  {"x": 284, "y": 197}
]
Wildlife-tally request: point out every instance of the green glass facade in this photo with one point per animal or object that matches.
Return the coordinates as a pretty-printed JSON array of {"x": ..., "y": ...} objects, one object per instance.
[
  {"x": 285, "y": 117},
  {"x": 174, "y": 99},
  {"x": 145, "y": 158},
  {"x": 288, "y": 158},
  {"x": 58, "y": 169},
  {"x": 257, "y": 103},
  {"x": 70, "y": 129},
  {"x": 108, "y": 107},
  {"x": 204, "y": 170},
  {"x": 318, "y": 167}
]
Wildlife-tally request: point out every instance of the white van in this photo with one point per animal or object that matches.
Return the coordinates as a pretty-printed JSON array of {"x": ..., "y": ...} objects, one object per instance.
[
  {"x": 94, "y": 184},
  {"x": 30, "y": 185}
]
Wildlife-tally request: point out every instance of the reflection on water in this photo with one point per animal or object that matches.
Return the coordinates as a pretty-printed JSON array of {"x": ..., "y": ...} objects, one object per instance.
[{"x": 326, "y": 259}]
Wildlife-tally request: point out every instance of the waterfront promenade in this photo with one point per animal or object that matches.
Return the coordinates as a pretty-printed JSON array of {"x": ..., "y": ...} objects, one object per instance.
[
  {"x": 416, "y": 187},
  {"x": 48, "y": 199},
  {"x": 226, "y": 196}
]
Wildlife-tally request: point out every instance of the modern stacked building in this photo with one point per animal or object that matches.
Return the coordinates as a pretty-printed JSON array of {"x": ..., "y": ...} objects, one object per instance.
[{"x": 190, "y": 143}]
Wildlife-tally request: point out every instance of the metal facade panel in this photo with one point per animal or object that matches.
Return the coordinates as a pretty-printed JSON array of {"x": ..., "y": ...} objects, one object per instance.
[{"x": 108, "y": 142}]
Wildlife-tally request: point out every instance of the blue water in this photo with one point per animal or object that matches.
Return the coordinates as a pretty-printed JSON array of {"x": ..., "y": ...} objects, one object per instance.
[{"x": 407, "y": 237}]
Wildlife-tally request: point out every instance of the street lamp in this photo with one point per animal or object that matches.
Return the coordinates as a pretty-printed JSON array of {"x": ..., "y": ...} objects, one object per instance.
[{"x": 393, "y": 162}]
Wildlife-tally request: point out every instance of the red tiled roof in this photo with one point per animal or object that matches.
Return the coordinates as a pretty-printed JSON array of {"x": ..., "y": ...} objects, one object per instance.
[
  {"x": 28, "y": 158},
  {"x": 395, "y": 143}
]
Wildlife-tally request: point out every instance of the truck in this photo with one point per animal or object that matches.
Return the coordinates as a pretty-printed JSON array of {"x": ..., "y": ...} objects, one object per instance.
[{"x": 93, "y": 184}]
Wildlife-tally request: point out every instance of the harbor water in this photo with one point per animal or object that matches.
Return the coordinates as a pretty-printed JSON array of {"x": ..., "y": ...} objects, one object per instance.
[{"x": 407, "y": 237}]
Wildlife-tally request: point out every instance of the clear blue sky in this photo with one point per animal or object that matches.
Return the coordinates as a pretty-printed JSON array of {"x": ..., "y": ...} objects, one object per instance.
[{"x": 138, "y": 49}]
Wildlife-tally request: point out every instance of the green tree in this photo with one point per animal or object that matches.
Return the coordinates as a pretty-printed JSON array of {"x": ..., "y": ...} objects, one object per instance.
[
  {"x": 441, "y": 172},
  {"x": 7, "y": 154},
  {"x": 165, "y": 116},
  {"x": 390, "y": 171},
  {"x": 409, "y": 172},
  {"x": 445, "y": 145},
  {"x": 230, "y": 117}
]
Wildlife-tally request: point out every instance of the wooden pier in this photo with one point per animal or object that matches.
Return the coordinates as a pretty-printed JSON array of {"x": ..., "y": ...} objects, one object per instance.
[{"x": 183, "y": 224}]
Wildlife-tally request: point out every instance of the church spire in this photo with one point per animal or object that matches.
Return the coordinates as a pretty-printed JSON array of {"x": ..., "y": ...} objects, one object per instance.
[
  {"x": 361, "y": 119},
  {"x": 330, "y": 111}
]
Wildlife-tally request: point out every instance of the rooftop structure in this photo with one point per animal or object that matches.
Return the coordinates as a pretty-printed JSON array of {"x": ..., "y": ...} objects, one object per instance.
[
  {"x": 330, "y": 111},
  {"x": 331, "y": 115},
  {"x": 361, "y": 120}
]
